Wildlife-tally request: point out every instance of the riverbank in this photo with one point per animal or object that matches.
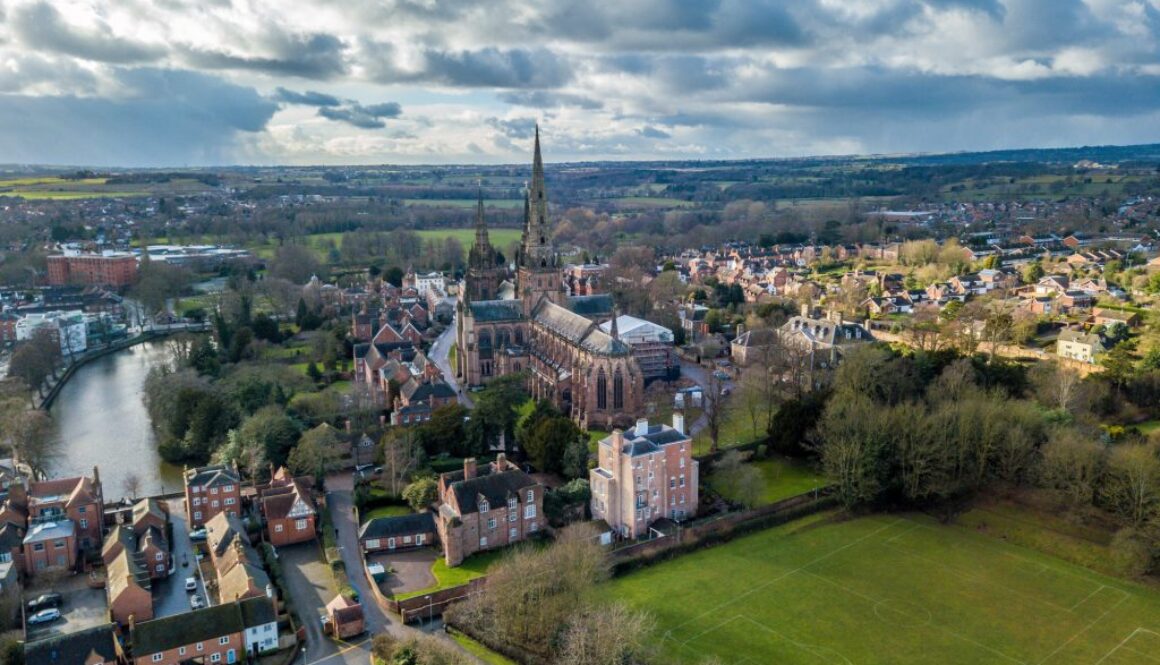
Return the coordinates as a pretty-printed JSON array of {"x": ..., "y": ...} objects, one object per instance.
[{"x": 120, "y": 345}]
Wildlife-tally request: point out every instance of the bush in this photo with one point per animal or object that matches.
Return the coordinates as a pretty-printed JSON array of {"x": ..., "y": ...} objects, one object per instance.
[{"x": 1131, "y": 553}]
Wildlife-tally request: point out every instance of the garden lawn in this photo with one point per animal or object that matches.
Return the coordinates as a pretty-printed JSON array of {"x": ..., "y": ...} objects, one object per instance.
[
  {"x": 889, "y": 589},
  {"x": 385, "y": 511},
  {"x": 445, "y": 577},
  {"x": 784, "y": 478},
  {"x": 480, "y": 651}
]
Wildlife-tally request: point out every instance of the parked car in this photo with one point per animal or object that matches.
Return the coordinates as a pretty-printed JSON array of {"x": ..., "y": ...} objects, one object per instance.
[
  {"x": 196, "y": 602},
  {"x": 191, "y": 584},
  {"x": 44, "y": 616},
  {"x": 197, "y": 534},
  {"x": 724, "y": 376},
  {"x": 45, "y": 601}
]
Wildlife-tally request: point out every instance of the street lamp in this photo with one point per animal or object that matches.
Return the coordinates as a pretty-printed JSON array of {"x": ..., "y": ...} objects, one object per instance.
[{"x": 429, "y": 611}]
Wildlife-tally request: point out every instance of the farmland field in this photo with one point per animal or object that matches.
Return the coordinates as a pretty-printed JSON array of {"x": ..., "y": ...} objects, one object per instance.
[
  {"x": 500, "y": 238},
  {"x": 466, "y": 203},
  {"x": 895, "y": 589}
]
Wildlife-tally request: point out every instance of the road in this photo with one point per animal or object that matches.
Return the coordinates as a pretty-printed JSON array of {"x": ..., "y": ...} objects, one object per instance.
[
  {"x": 702, "y": 377},
  {"x": 440, "y": 354},
  {"x": 311, "y": 586}
]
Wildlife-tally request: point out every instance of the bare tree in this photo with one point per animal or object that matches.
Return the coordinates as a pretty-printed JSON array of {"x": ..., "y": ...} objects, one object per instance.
[
  {"x": 1055, "y": 385},
  {"x": 132, "y": 485},
  {"x": 714, "y": 404},
  {"x": 401, "y": 456},
  {"x": 738, "y": 482},
  {"x": 605, "y": 635},
  {"x": 1072, "y": 464},
  {"x": 1131, "y": 485}
]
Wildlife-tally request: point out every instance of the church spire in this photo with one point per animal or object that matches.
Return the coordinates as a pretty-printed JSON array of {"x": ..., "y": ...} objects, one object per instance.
[
  {"x": 537, "y": 164},
  {"x": 482, "y": 242},
  {"x": 537, "y": 250},
  {"x": 615, "y": 328}
]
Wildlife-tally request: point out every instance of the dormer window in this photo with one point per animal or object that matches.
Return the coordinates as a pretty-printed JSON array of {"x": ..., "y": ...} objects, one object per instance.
[
  {"x": 512, "y": 503},
  {"x": 483, "y": 507}
]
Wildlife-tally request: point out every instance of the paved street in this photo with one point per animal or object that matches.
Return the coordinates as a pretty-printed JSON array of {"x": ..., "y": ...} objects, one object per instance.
[
  {"x": 169, "y": 595},
  {"x": 311, "y": 587},
  {"x": 440, "y": 355}
]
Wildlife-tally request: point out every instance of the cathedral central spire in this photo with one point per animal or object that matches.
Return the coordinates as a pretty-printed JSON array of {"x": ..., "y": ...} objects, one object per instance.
[
  {"x": 482, "y": 242},
  {"x": 537, "y": 248}
]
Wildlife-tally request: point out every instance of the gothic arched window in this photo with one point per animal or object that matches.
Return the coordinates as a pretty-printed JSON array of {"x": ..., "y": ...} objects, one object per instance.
[
  {"x": 602, "y": 391},
  {"x": 618, "y": 391}
]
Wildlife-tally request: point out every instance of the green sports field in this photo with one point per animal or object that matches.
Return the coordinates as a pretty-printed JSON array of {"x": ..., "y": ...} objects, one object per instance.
[{"x": 889, "y": 590}]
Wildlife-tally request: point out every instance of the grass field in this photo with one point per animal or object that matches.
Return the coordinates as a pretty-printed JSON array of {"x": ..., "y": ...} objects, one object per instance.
[
  {"x": 784, "y": 478},
  {"x": 500, "y": 238},
  {"x": 889, "y": 590},
  {"x": 509, "y": 204}
]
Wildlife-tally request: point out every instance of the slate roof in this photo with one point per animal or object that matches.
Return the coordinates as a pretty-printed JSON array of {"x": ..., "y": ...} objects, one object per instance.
[
  {"x": 755, "y": 338},
  {"x": 72, "y": 648},
  {"x": 211, "y": 475},
  {"x": 422, "y": 391},
  {"x": 386, "y": 527},
  {"x": 149, "y": 637},
  {"x": 1080, "y": 337},
  {"x": 257, "y": 612},
  {"x": 496, "y": 310},
  {"x": 494, "y": 486},
  {"x": 278, "y": 502},
  {"x": 360, "y": 350},
  {"x": 650, "y": 442},
  {"x": 591, "y": 306},
  {"x": 50, "y": 530},
  {"x": 578, "y": 330}
]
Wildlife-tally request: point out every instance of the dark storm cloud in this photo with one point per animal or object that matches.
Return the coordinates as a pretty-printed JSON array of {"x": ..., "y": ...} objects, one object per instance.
[
  {"x": 40, "y": 26},
  {"x": 363, "y": 117},
  {"x": 169, "y": 117},
  {"x": 496, "y": 68},
  {"x": 653, "y": 133},
  {"x": 308, "y": 98},
  {"x": 311, "y": 56},
  {"x": 542, "y": 99}
]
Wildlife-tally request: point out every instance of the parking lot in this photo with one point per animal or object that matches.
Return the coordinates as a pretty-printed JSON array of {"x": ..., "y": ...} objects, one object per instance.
[
  {"x": 169, "y": 595},
  {"x": 83, "y": 607}
]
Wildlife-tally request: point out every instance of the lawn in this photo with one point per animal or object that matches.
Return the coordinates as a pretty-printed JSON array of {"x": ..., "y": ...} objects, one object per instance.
[
  {"x": 784, "y": 478},
  {"x": 479, "y": 651},
  {"x": 386, "y": 511},
  {"x": 500, "y": 238},
  {"x": 889, "y": 589},
  {"x": 445, "y": 577},
  {"x": 510, "y": 204}
]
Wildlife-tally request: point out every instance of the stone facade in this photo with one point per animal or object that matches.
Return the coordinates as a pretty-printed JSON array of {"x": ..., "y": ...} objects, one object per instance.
[
  {"x": 586, "y": 372},
  {"x": 644, "y": 474}
]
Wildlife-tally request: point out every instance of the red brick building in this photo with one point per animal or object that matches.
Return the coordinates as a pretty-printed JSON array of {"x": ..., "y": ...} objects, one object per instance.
[
  {"x": 77, "y": 499},
  {"x": 210, "y": 490},
  {"x": 483, "y": 509},
  {"x": 289, "y": 510},
  {"x": 101, "y": 269}
]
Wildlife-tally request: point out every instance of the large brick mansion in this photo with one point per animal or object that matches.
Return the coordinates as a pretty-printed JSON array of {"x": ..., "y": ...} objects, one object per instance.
[{"x": 555, "y": 337}]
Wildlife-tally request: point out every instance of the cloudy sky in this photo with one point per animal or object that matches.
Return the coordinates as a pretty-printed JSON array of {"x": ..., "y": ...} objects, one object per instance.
[{"x": 206, "y": 82}]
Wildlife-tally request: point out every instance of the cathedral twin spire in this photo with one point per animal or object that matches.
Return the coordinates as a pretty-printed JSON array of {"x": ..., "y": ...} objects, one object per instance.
[{"x": 537, "y": 250}]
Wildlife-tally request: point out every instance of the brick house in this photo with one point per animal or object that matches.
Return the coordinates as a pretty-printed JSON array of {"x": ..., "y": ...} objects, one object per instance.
[
  {"x": 289, "y": 510},
  {"x": 50, "y": 546},
  {"x": 79, "y": 500},
  {"x": 154, "y": 552},
  {"x": 128, "y": 588},
  {"x": 239, "y": 568},
  {"x": 149, "y": 513},
  {"x": 210, "y": 490},
  {"x": 345, "y": 617},
  {"x": 397, "y": 533},
  {"x": 120, "y": 539},
  {"x": 644, "y": 474},
  {"x": 488, "y": 508},
  {"x": 209, "y": 635}
]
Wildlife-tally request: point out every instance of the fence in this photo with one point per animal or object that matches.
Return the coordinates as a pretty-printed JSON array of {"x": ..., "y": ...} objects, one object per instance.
[{"x": 721, "y": 529}]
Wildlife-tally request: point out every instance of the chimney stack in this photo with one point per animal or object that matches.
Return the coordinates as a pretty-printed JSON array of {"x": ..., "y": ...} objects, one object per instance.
[
  {"x": 641, "y": 426},
  {"x": 469, "y": 468},
  {"x": 679, "y": 421}
]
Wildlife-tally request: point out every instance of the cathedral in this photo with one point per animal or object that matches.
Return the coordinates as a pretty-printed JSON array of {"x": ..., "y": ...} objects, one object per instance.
[{"x": 539, "y": 329}]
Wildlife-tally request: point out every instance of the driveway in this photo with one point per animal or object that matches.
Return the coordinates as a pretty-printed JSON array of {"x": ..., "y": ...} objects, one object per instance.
[
  {"x": 440, "y": 354},
  {"x": 701, "y": 376},
  {"x": 338, "y": 497},
  {"x": 169, "y": 594},
  {"x": 82, "y": 607},
  {"x": 412, "y": 569}
]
